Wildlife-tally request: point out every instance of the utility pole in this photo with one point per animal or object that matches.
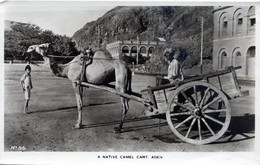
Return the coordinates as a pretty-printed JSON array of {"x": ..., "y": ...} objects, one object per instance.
[
  {"x": 116, "y": 32},
  {"x": 137, "y": 51},
  {"x": 105, "y": 39},
  {"x": 98, "y": 31},
  {"x": 201, "y": 49}
]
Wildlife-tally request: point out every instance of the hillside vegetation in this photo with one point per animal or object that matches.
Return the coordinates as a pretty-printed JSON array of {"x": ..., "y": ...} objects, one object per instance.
[
  {"x": 19, "y": 36},
  {"x": 180, "y": 26}
]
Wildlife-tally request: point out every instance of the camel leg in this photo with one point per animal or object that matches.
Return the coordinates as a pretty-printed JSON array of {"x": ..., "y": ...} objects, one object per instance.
[
  {"x": 78, "y": 92},
  {"x": 125, "y": 107},
  {"x": 122, "y": 85}
]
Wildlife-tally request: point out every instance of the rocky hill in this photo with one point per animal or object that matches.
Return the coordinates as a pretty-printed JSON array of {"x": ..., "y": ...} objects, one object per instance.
[{"x": 179, "y": 25}]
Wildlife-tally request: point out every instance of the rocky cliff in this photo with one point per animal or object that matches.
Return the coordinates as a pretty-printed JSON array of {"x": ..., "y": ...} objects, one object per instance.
[{"x": 179, "y": 25}]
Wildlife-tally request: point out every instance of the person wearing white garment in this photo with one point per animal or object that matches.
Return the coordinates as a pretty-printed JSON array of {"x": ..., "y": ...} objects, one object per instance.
[
  {"x": 174, "y": 69},
  {"x": 26, "y": 83}
]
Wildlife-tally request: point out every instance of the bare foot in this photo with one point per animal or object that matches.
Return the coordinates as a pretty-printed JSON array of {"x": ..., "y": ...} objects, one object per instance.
[
  {"x": 77, "y": 126},
  {"x": 117, "y": 130}
]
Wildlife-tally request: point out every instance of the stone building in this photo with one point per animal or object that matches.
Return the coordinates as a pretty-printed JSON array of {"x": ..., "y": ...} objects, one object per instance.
[
  {"x": 134, "y": 48},
  {"x": 234, "y": 39}
]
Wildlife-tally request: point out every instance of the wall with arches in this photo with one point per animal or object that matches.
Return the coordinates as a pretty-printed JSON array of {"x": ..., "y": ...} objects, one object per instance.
[
  {"x": 234, "y": 21},
  {"x": 144, "y": 50},
  {"x": 234, "y": 39},
  {"x": 134, "y": 48}
]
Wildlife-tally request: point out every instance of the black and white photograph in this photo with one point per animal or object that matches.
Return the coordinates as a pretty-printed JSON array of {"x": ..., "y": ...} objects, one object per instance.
[{"x": 128, "y": 81}]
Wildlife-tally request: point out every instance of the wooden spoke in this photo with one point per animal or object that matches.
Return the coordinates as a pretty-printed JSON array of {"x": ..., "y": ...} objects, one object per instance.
[
  {"x": 185, "y": 96},
  {"x": 215, "y": 111},
  {"x": 213, "y": 101},
  {"x": 192, "y": 123},
  {"x": 196, "y": 96},
  {"x": 199, "y": 129},
  {"x": 181, "y": 105},
  {"x": 180, "y": 114},
  {"x": 204, "y": 97},
  {"x": 204, "y": 121},
  {"x": 215, "y": 120},
  {"x": 183, "y": 122}
]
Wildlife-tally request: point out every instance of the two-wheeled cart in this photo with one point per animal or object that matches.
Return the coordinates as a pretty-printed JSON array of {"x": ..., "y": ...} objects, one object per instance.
[{"x": 197, "y": 109}]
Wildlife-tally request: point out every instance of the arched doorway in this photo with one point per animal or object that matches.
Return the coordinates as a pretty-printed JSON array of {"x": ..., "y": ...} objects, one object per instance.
[
  {"x": 223, "y": 59},
  {"x": 250, "y": 62}
]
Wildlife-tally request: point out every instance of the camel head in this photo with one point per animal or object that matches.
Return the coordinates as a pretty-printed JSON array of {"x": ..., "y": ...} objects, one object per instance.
[{"x": 42, "y": 49}]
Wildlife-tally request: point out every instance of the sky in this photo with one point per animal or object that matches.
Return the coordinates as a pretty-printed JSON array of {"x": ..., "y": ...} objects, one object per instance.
[{"x": 63, "y": 18}]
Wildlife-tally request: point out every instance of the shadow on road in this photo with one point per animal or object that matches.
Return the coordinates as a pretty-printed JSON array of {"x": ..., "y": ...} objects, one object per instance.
[
  {"x": 72, "y": 107},
  {"x": 244, "y": 126},
  {"x": 128, "y": 120},
  {"x": 241, "y": 128},
  {"x": 240, "y": 125}
]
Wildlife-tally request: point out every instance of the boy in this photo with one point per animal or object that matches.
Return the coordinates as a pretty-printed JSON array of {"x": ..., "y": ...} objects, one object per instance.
[{"x": 26, "y": 83}]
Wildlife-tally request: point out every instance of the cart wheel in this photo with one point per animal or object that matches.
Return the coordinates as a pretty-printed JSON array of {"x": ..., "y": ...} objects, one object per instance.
[{"x": 198, "y": 113}]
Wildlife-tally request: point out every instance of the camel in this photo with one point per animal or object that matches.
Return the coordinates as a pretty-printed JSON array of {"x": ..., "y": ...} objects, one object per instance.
[{"x": 103, "y": 70}]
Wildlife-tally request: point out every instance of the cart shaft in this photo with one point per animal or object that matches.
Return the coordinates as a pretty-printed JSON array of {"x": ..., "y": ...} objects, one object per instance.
[{"x": 130, "y": 95}]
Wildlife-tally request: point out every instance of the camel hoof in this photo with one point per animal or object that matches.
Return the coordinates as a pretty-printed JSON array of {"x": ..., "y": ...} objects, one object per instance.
[
  {"x": 78, "y": 126},
  {"x": 117, "y": 130}
]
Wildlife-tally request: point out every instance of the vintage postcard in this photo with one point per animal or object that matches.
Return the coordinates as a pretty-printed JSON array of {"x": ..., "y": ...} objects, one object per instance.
[{"x": 131, "y": 82}]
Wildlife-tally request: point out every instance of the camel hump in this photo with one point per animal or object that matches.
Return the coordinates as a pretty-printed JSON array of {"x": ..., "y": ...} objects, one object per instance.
[{"x": 102, "y": 54}]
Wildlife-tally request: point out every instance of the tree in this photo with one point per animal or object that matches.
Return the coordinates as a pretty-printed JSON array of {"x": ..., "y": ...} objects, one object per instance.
[{"x": 22, "y": 35}]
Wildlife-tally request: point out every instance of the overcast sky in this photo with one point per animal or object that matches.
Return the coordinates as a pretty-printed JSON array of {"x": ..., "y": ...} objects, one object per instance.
[{"x": 59, "y": 17}]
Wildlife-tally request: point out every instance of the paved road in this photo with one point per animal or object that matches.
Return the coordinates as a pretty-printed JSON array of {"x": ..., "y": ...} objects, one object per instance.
[{"x": 49, "y": 127}]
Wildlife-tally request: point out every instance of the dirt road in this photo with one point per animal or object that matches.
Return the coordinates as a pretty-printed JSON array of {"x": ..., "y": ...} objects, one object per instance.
[{"x": 53, "y": 105}]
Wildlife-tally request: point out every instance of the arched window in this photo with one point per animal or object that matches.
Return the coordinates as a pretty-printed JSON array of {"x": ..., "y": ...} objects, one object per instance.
[
  {"x": 251, "y": 52},
  {"x": 143, "y": 51},
  {"x": 239, "y": 23},
  {"x": 251, "y": 19},
  {"x": 224, "y": 26},
  {"x": 134, "y": 50},
  {"x": 224, "y": 60},
  {"x": 150, "y": 51},
  {"x": 125, "y": 50}
]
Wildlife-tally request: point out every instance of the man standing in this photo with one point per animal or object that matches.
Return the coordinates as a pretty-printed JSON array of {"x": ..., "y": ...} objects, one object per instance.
[{"x": 174, "y": 68}]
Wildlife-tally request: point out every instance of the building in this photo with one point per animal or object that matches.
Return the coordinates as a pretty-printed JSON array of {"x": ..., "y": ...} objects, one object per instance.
[
  {"x": 234, "y": 39},
  {"x": 134, "y": 48}
]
